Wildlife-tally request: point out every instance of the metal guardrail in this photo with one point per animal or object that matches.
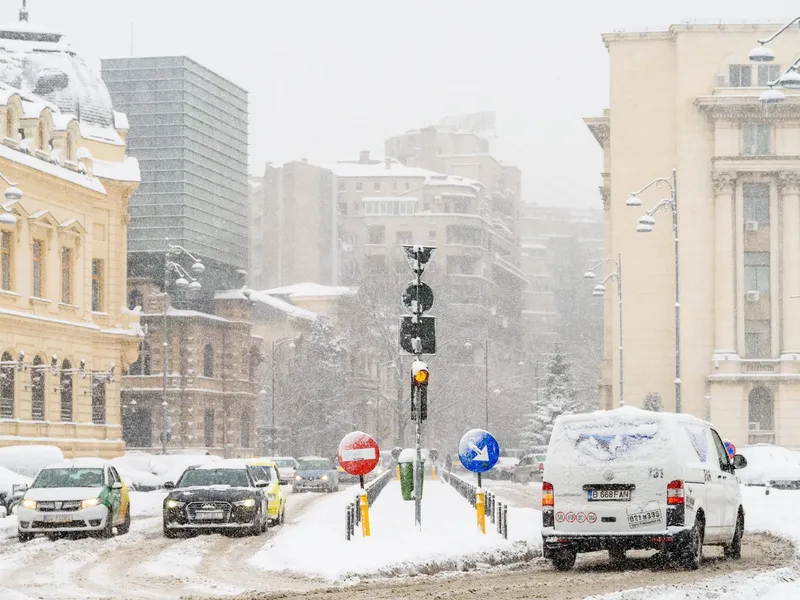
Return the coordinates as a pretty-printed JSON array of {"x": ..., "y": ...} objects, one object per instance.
[
  {"x": 494, "y": 509},
  {"x": 353, "y": 514}
]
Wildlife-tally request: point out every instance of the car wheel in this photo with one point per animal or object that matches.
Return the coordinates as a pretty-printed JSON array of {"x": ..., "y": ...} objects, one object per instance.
[
  {"x": 24, "y": 537},
  {"x": 258, "y": 526},
  {"x": 734, "y": 549},
  {"x": 282, "y": 517},
  {"x": 617, "y": 556},
  {"x": 692, "y": 553},
  {"x": 126, "y": 525},
  {"x": 564, "y": 560},
  {"x": 53, "y": 537},
  {"x": 107, "y": 531}
]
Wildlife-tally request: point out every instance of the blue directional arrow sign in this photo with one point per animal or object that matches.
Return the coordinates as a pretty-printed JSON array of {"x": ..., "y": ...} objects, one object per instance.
[{"x": 478, "y": 450}]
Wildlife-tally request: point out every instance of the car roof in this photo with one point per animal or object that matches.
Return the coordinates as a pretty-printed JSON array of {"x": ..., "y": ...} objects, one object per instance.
[
  {"x": 80, "y": 463},
  {"x": 228, "y": 463},
  {"x": 261, "y": 462},
  {"x": 631, "y": 412},
  {"x": 315, "y": 458},
  {"x": 280, "y": 458}
]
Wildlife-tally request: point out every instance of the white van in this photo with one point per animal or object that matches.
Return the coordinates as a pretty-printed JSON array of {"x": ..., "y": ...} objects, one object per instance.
[{"x": 632, "y": 479}]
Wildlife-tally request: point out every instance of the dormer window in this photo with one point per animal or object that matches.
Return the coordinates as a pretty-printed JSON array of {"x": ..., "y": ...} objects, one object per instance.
[{"x": 10, "y": 119}]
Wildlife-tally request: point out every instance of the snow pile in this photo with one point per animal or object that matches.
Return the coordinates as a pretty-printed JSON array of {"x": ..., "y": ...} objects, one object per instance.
[
  {"x": 143, "y": 471},
  {"x": 29, "y": 460},
  {"x": 8, "y": 479},
  {"x": 449, "y": 539}
]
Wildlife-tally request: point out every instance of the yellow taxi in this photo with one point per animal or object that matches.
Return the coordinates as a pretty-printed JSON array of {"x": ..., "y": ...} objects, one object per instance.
[{"x": 276, "y": 497}]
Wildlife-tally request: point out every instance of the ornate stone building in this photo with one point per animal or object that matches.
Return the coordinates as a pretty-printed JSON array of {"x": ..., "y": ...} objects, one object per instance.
[{"x": 688, "y": 98}]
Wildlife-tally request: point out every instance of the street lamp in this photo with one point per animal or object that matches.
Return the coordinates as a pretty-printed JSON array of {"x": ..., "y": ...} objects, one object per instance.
[
  {"x": 790, "y": 79},
  {"x": 184, "y": 281},
  {"x": 600, "y": 290},
  {"x": 275, "y": 345},
  {"x": 646, "y": 225},
  {"x": 485, "y": 347},
  {"x": 12, "y": 194}
]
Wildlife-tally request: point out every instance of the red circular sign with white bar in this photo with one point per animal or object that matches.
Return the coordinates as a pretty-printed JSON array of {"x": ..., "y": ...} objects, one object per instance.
[{"x": 358, "y": 453}]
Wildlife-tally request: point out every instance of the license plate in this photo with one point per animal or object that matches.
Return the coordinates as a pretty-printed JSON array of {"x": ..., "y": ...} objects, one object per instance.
[
  {"x": 57, "y": 519},
  {"x": 619, "y": 495},
  {"x": 640, "y": 519},
  {"x": 209, "y": 515}
]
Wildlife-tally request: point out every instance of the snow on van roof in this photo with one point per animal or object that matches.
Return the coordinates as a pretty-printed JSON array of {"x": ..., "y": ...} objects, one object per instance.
[{"x": 631, "y": 413}]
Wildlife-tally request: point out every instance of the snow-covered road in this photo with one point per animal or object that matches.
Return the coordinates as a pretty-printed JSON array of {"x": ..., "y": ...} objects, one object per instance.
[{"x": 143, "y": 564}]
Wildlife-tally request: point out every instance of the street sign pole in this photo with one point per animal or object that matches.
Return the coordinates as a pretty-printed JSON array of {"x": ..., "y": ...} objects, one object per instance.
[{"x": 417, "y": 306}]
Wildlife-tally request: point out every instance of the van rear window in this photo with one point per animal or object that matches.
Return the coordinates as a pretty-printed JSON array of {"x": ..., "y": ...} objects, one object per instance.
[{"x": 601, "y": 442}]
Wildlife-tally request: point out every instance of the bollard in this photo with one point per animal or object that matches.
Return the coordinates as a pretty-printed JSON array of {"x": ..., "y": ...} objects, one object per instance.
[
  {"x": 352, "y": 508},
  {"x": 397, "y": 473},
  {"x": 505, "y": 522},
  {"x": 480, "y": 509},
  {"x": 433, "y": 472},
  {"x": 500, "y": 518},
  {"x": 347, "y": 518},
  {"x": 491, "y": 509},
  {"x": 364, "y": 505}
]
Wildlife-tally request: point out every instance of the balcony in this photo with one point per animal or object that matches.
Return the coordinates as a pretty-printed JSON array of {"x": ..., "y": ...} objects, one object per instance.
[{"x": 150, "y": 383}]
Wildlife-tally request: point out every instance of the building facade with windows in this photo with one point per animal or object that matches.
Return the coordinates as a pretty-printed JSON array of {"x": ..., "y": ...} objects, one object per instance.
[
  {"x": 688, "y": 98},
  {"x": 65, "y": 333}
]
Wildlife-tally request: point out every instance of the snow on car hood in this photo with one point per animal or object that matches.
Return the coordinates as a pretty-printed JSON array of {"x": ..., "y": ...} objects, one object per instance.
[{"x": 78, "y": 493}]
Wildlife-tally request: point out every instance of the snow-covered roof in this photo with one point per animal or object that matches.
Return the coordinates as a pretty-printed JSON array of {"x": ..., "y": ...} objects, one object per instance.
[
  {"x": 91, "y": 183},
  {"x": 265, "y": 298},
  {"x": 79, "y": 463},
  {"x": 175, "y": 312},
  {"x": 121, "y": 120},
  {"x": 378, "y": 169},
  {"x": 128, "y": 170},
  {"x": 452, "y": 180},
  {"x": 308, "y": 290}
]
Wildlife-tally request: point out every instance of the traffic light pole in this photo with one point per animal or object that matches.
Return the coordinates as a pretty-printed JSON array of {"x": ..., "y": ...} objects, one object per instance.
[{"x": 417, "y": 398}]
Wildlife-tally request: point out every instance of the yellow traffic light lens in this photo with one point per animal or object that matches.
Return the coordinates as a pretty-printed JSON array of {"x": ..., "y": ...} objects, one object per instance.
[{"x": 421, "y": 377}]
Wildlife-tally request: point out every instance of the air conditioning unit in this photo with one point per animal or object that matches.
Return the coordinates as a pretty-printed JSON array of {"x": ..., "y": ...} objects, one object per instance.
[
  {"x": 752, "y": 296},
  {"x": 751, "y": 226},
  {"x": 755, "y": 426}
]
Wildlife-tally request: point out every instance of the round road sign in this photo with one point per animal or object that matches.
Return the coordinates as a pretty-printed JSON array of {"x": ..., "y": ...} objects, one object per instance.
[
  {"x": 425, "y": 298},
  {"x": 730, "y": 449},
  {"x": 358, "y": 453},
  {"x": 478, "y": 450}
]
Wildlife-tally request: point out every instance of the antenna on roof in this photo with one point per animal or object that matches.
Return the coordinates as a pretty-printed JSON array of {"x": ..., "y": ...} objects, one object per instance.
[{"x": 23, "y": 12}]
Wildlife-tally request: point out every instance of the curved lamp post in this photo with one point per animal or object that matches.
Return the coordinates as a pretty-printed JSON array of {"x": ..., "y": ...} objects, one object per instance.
[
  {"x": 485, "y": 346},
  {"x": 790, "y": 79},
  {"x": 273, "y": 432}
]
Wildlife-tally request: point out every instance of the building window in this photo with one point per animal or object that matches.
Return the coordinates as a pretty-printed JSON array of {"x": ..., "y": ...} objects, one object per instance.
[
  {"x": 5, "y": 261},
  {"x": 376, "y": 186},
  {"x": 756, "y": 138},
  {"x": 342, "y": 208},
  {"x": 66, "y": 391},
  {"x": 7, "y": 387},
  {"x": 768, "y": 74},
  {"x": 253, "y": 361},
  {"x": 408, "y": 185},
  {"x": 426, "y": 207},
  {"x": 37, "y": 389},
  {"x": 761, "y": 414},
  {"x": 97, "y": 285},
  {"x": 375, "y": 265},
  {"x": 38, "y": 269},
  {"x": 137, "y": 427},
  {"x": 342, "y": 186},
  {"x": 432, "y": 236},
  {"x": 98, "y": 403},
  {"x": 42, "y": 143},
  {"x": 756, "y": 272},
  {"x": 208, "y": 428},
  {"x": 10, "y": 122},
  {"x": 403, "y": 237},
  {"x": 135, "y": 299},
  {"x": 740, "y": 75},
  {"x": 756, "y": 202},
  {"x": 394, "y": 186},
  {"x": 66, "y": 276},
  {"x": 757, "y": 339},
  {"x": 208, "y": 361},
  {"x": 376, "y": 234},
  {"x": 245, "y": 427},
  {"x": 359, "y": 186},
  {"x": 143, "y": 364}
]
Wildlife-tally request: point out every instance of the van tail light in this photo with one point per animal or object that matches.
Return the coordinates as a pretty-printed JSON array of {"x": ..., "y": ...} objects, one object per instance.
[
  {"x": 675, "y": 492},
  {"x": 548, "y": 496},
  {"x": 541, "y": 467}
]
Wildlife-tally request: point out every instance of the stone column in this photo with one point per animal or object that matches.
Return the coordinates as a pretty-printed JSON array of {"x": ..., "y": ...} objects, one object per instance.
[
  {"x": 789, "y": 189},
  {"x": 724, "y": 262}
]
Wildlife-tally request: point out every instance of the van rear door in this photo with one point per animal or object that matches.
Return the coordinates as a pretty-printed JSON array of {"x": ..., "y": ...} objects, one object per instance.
[{"x": 610, "y": 477}]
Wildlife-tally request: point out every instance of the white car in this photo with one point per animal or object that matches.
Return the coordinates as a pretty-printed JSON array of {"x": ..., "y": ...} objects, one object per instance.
[
  {"x": 771, "y": 466},
  {"x": 286, "y": 467},
  {"x": 632, "y": 479},
  {"x": 83, "y": 495}
]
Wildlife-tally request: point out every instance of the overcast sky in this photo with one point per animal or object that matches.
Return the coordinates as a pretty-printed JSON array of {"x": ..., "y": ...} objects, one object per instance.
[{"x": 328, "y": 78}]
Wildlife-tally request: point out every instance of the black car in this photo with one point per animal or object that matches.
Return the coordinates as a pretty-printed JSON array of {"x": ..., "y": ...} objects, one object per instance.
[{"x": 222, "y": 496}]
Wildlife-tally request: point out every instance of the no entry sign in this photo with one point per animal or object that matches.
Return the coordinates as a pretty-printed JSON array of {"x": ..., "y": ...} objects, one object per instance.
[{"x": 358, "y": 453}]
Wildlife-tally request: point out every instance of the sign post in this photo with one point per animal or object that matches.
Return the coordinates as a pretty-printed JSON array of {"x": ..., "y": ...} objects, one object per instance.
[
  {"x": 479, "y": 451},
  {"x": 359, "y": 454},
  {"x": 418, "y": 337}
]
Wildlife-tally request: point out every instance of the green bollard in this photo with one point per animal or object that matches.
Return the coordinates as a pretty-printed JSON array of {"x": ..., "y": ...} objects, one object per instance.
[{"x": 407, "y": 480}]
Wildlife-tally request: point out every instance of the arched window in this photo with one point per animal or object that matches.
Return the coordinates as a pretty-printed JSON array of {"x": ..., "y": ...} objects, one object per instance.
[
  {"x": 67, "y": 380},
  {"x": 6, "y": 387},
  {"x": 10, "y": 119},
  {"x": 40, "y": 137},
  {"x": 252, "y": 364},
  {"x": 143, "y": 364},
  {"x": 208, "y": 361},
  {"x": 69, "y": 152},
  {"x": 245, "y": 429},
  {"x": 37, "y": 389},
  {"x": 98, "y": 402},
  {"x": 134, "y": 299}
]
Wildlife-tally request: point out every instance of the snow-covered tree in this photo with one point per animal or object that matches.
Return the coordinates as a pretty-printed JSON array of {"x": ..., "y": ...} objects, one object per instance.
[
  {"x": 654, "y": 402},
  {"x": 557, "y": 397}
]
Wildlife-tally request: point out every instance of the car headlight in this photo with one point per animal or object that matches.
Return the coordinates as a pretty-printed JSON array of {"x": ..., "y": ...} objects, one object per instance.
[
  {"x": 298, "y": 478},
  {"x": 174, "y": 504},
  {"x": 247, "y": 503},
  {"x": 90, "y": 502},
  {"x": 324, "y": 478},
  {"x": 29, "y": 504},
  {"x": 271, "y": 497}
]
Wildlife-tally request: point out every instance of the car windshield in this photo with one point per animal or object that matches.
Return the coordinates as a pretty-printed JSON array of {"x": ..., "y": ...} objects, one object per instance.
[
  {"x": 314, "y": 465},
  {"x": 261, "y": 472},
  {"x": 208, "y": 477},
  {"x": 67, "y": 478},
  {"x": 284, "y": 463},
  {"x": 540, "y": 457}
]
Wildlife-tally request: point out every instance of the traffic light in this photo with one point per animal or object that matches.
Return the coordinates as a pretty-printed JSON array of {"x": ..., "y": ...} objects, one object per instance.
[{"x": 419, "y": 390}]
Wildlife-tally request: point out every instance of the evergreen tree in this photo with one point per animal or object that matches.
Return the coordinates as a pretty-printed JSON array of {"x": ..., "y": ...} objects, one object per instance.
[
  {"x": 557, "y": 398},
  {"x": 653, "y": 402}
]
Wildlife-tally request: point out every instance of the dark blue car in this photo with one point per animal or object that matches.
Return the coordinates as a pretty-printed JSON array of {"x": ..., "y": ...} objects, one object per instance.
[{"x": 315, "y": 474}]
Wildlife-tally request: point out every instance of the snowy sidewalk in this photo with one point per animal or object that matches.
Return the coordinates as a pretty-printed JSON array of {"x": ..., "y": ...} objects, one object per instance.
[{"x": 449, "y": 538}]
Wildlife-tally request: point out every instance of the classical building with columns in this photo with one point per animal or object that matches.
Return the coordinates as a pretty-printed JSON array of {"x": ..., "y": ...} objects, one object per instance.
[{"x": 688, "y": 98}]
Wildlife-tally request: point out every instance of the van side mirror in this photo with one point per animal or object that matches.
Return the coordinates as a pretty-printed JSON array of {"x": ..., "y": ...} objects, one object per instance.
[
  {"x": 117, "y": 485},
  {"x": 169, "y": 485},
  {"x": 284, "y": 482},
  {"x": 739, "y": 462},
  {"x": 261, "y": 483}
]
